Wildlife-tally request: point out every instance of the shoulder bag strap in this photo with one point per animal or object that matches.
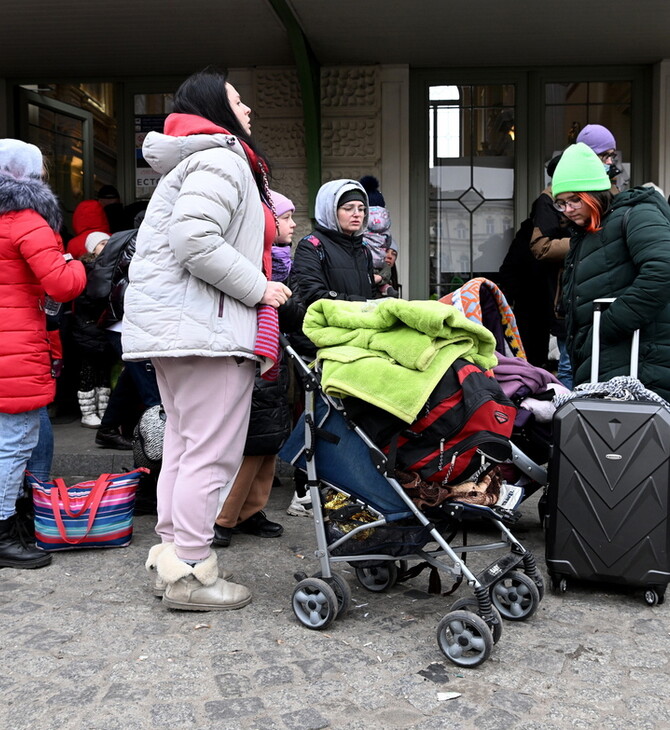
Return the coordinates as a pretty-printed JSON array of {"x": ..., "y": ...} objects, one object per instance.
[{"x": 60, "y": 495}]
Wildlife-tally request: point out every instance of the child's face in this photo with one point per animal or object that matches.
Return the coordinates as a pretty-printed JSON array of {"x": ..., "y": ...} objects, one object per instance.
[
  {"x": 98, "y": 249},
  {"x": 285, "y": 227},
  {"x": 390, "y": 257}
]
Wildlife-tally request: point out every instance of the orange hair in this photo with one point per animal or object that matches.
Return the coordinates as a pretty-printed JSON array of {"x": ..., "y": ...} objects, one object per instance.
[{"x": 595, "y": 211}]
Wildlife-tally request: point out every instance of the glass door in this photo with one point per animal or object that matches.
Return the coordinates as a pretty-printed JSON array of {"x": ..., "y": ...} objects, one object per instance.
[
  {"x": 64, "y": 133},
  {"x": 570, "y": 106},
  {"x": 471, "y": 151}
]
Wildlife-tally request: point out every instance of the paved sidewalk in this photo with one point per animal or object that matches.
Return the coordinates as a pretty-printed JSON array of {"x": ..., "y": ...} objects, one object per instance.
[{"x": 84, "y": 645}]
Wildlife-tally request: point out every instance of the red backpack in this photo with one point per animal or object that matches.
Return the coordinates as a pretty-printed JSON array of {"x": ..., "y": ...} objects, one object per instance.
[{"x": 461, "y": 433}]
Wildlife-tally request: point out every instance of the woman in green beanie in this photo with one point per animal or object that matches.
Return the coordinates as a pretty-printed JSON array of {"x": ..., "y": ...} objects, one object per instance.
[{"x": 619, "y": 247}]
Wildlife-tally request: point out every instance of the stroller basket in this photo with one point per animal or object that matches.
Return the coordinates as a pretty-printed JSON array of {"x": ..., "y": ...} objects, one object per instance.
[{"x": 397, "y": 539}]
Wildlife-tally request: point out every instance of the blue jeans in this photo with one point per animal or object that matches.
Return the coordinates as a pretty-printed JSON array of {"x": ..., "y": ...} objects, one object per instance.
[
  {"x": 19, "y": 433},
  {"x": 42, "y": 456},
  {"x": 564, "y": 373}
]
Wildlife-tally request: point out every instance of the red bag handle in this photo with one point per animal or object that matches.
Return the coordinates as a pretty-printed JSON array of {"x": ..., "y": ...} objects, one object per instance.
[{"x": 60, "y": 495}]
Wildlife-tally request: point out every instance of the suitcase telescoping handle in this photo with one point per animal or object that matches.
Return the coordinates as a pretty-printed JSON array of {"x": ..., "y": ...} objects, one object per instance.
[{"x": 599, "y": 306}]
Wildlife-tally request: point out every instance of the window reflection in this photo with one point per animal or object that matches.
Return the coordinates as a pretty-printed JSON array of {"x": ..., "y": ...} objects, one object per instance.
[
  {"x": 472, "y": 147},
  {"x": 569, "y": 107}
]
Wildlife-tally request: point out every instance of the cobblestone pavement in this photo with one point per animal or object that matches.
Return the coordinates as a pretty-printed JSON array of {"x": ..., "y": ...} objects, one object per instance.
[{"x": 84, "y": 644}]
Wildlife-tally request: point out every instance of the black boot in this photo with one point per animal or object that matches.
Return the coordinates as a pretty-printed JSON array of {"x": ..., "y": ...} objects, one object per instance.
[
  {"x": 17, "y": 550},
  {"x": 110, "y": 437},
  {"x": 222, "y": 535}
]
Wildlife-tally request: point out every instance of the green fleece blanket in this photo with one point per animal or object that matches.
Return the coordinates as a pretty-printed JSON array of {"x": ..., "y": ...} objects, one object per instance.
[{"x": 392, "y": 352}]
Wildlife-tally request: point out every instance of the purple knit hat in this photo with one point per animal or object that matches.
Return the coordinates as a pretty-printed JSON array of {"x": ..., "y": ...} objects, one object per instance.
[
  {"x": 597, "y": 137},
  {"x": 281, "y": 203}
]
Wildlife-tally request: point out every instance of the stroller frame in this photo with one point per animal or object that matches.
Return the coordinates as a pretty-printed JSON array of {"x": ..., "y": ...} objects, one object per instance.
[{"x": 511, "y": 586}]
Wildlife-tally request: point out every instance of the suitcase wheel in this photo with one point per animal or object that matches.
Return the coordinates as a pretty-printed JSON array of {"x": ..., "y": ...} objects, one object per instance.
[
  {"x": 559, "y": 584},
  {"x": 654, "y": 597}
]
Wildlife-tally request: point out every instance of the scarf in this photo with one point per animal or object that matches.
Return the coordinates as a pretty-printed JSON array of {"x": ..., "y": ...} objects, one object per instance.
[{"x": 281, "y": 263}]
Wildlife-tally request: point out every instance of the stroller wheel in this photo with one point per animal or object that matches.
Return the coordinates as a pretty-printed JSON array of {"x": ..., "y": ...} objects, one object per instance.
[
  {"x": 470, "y": 604},
  {"x": 314, "y": 603},
  {"x": 516, "y": 596},
  {"x": 378, "y": 578},
  {"x": 464, "y": 638},
  {"x": 342, "y": 591}
]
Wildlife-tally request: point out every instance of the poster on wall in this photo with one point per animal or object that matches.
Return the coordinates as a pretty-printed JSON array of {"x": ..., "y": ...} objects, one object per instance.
[{"x": 146, "y": 178}]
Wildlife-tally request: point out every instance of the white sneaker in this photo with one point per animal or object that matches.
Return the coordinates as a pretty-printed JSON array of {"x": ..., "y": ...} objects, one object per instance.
[{"x": 300, "y": 506}]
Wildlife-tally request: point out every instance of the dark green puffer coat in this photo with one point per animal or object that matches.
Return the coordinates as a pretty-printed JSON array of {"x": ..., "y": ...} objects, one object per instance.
[{"x": 633, "y": 266}]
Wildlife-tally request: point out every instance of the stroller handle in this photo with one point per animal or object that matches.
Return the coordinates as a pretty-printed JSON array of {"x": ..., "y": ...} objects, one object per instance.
[{"x": 305, "y": 373}]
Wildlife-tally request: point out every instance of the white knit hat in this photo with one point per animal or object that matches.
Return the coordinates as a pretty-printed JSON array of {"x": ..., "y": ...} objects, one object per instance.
[
  {"x": 93, "y": 239},
  {"x": 20, "y": 159}
]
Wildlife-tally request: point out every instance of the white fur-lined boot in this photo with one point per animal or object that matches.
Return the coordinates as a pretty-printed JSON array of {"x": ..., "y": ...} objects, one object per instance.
[
  {"x": 102, "y": 400},
  {"x": 89, "y": 417},
  {"x": 197, "y": 587},
  {"x": 158, "y": 584}
]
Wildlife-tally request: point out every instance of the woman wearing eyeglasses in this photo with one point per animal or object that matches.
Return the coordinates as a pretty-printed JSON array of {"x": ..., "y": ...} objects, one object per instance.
[
  {"x": 620, "y": 248},
  {"x": 332, "y": 262}
]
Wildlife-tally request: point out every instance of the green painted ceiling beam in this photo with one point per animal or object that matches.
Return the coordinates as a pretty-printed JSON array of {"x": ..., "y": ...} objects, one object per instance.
[{"x": 309, "y": 77}]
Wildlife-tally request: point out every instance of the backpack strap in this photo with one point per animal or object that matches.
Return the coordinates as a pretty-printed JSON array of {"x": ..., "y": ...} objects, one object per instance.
[{"x": 317, "y": 242}]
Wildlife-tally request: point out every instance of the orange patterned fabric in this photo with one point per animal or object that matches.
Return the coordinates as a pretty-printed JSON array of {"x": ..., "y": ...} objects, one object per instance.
[{"x": 468, "y": 299}]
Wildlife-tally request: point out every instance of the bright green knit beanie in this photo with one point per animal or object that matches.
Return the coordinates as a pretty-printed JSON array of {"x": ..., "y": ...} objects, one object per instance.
[{"x": 579, "y": 170}]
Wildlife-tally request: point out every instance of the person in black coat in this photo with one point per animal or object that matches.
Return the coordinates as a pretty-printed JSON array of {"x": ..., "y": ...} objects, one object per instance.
[
  {"x": 95, "y": 352},
  {"x": 332, "y": 262}
]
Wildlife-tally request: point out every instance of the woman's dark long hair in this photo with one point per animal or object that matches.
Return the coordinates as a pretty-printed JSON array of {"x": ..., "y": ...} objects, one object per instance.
[
  {"x": 204, "y": 94},
  {"x": 597, "y": 203}
]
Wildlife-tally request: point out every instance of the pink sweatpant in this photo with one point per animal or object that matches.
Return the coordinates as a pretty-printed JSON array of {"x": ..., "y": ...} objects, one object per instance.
[{"x": 207, "y": 402}]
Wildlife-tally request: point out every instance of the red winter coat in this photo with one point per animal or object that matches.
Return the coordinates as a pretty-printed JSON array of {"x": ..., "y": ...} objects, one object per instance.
[
  {"x": 31, "y": 262},
  {"x": 88, "y": 216}
]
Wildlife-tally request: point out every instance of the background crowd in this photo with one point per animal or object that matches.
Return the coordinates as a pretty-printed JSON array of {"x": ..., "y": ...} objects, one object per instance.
[{"x": 169, "y": 302}]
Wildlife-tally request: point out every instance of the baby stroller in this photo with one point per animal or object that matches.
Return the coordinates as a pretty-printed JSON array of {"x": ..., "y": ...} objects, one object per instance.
[{"x": 364, "y": 517}]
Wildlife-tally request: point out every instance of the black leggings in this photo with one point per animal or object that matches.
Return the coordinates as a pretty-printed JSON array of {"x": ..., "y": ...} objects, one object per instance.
[{"x": 94, "y": 372}]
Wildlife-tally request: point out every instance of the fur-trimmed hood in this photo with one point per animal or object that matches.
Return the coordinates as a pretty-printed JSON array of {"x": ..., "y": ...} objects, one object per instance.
[{"x": 30, "y": 194}]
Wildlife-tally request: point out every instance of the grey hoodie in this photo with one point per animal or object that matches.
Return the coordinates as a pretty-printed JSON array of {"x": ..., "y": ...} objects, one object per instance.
[{"x": 325, "y": 206}]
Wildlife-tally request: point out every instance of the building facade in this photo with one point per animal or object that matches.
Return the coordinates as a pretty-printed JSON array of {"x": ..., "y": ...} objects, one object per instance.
[{"x": 459, "y": 152}]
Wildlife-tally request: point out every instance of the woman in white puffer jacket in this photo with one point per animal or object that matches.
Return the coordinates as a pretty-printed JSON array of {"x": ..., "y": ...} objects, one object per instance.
[{"x": 191, "y": 307}]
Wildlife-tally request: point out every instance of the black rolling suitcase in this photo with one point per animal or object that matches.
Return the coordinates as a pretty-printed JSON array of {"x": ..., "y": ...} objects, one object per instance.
[{"x": 608, "y": 487}]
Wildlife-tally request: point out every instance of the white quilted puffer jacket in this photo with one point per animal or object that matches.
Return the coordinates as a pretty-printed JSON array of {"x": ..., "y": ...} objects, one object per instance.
[{"x": 196, "y": 278}]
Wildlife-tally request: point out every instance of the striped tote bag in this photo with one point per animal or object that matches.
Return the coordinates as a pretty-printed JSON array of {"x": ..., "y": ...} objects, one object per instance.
[{"x": 92, "y": 514}]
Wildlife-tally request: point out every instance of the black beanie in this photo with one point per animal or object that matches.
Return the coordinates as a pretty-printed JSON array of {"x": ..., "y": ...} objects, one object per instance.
[
  {"x": 350, "y": 195},
  {"x": 371, "y": 185}
]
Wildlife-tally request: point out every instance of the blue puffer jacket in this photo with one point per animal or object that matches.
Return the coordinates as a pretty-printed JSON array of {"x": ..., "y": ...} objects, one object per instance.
[{"x": 629, "y": 259}]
